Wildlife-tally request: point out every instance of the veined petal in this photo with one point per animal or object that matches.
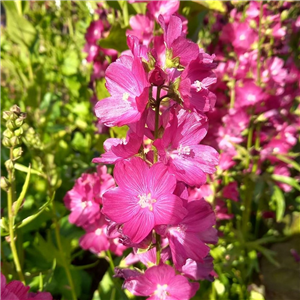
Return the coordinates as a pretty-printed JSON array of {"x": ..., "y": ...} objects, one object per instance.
[
  {"x": 119, "y": 206},
  {"x": 140, "y": 226},
  {"x": 132, "y": 176}
]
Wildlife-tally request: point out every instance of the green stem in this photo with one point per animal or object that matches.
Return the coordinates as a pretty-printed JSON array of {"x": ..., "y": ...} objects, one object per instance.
[
  {"x": 111, "y": 262},
  {"x": 10, "y": 201},
  {"x": 158, "y": 249},
  {"x": 60, "y": 248}
]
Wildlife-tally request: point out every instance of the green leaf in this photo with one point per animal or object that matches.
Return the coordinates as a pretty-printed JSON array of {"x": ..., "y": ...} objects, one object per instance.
[
  {"x": 70, "y": 64},
  {"x": 19, "y": 29},
  {"x": 278, "y": 198},
  {"x": 288, "y": 180},
  {"x": 24, "y": 169},
  {"x": 32, "y": 217},
  {"x": 23, "y": 192},
  {"x": 116, "y": 39},
  {"x": 213, "y": 5},
  {"x": 287, "y": 160}
]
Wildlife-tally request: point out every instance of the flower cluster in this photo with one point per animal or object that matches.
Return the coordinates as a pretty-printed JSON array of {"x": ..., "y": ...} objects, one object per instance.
[
  {"x": 161, "y": 89},
  {"x": 85, "y": 201},
  {"x": 16, "y": 290},
  {"x": 258, "y": 113}
]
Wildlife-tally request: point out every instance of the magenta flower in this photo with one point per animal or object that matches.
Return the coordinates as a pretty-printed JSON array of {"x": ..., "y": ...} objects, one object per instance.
[
  {"x": 248, "y": 94},
  {"x": 161, "y": 283},
  {"x": 179, "y": 149},
  {"x": 95, "y": 238},
  {"x": 143, "y": 199},
  {"x": 194, "y": 85},
  {"x": 85, "y": 197},
  {"x": 187, "y": 239},
  {"x": 164, "y": 8},
  {"x": 94, "y": 32},
  {"x": 142, "y": 27},
  {"x": 231, "y": 192},
  {"x": 179, "y": 50},
  {"x": 15, "y": 290},
  {"x": 199, "y": 270},
  {"x": 127, "y": 83}
]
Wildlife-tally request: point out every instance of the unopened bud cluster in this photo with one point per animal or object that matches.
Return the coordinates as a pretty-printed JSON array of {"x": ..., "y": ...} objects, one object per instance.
[
  {"x": 13, "y": 132},
  {"x": 31, "y": 138},
  {"x": 12, "y": 137}
]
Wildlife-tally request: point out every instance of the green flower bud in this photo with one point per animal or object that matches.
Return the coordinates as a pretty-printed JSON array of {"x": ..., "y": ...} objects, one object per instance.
[
  {"x": 19, "y": 122},
  {"x": 15, "y": 141},
  {"x": 10, "y": 124},
  {"x": 8, "y": 133},
  {"x": 17, "y": 153},
  {"x": 19, "y": 131},
  {"x": 9, "y": 165},
  {"x": 6, "y": 115},
  {"x": 16, "y": 109},
  {"x": 6, "y": 142},
  {"x": 284, "y": 15},
  {"x": 5, "y": 184},
  {"x": 4, "y": 223}
]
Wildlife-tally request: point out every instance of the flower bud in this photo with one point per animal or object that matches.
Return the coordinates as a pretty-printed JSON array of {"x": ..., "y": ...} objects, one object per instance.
[
  {"x": 16, "y": 109},
  {"x": 157, "y": 76},
  {"x": 5, "y": 184},
  {"x": 8, "y": 133},
  {"x": 4, "y": 223},
  {"x": 10, "y": 124},
  {"x": 6, "y": 115},
  {"x": 9, "y": 164},
  {"x": 15, "y": 141},
  {"x": 19, "y": 131},
  {"x": 17, "y": 153},
  {"x": 19, "y": 122},
  {"x": 6, "y": 142}
]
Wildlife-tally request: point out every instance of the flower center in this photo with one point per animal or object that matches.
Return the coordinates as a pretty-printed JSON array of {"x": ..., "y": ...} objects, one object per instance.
[
  {"x": 84, "y": 204},
  {"x": 198, "y": 85},
  {"x": 146, "y": 201},
  {"x": 251, "y": 98},
  {"x": 98, "y": 231},
  {"x": 183, "y": 150},
  {"x": 161, "y": 291},
  {"x": 242, "y": 37},
  {"x": 125, "y": 96}
]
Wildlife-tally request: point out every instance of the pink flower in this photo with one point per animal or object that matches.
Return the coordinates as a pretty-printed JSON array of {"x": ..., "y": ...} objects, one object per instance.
[
  {"x": 164, "y": 8},
  {"x": 180, "y": 51},
  {"x": 95, "y": 238},
  {"x": 231, "y": 192},
  {"x": 179, "y": 149},
  {"x": 199, "y": 270},
  {"x": 127, "y": 83},
  {"x": 85, "y": 197},
  {"x": 94, "y": 32},
  {"x": 15, "y": 290},
  {"x": 142, "y": 27},
  {"x": 143, "y": 199},
  {"x": 248, "y": 94},
  {"x": 194, "y": 85},
  {"x": 161, "y": 282},
  {"x": 187, "y": 239}
]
